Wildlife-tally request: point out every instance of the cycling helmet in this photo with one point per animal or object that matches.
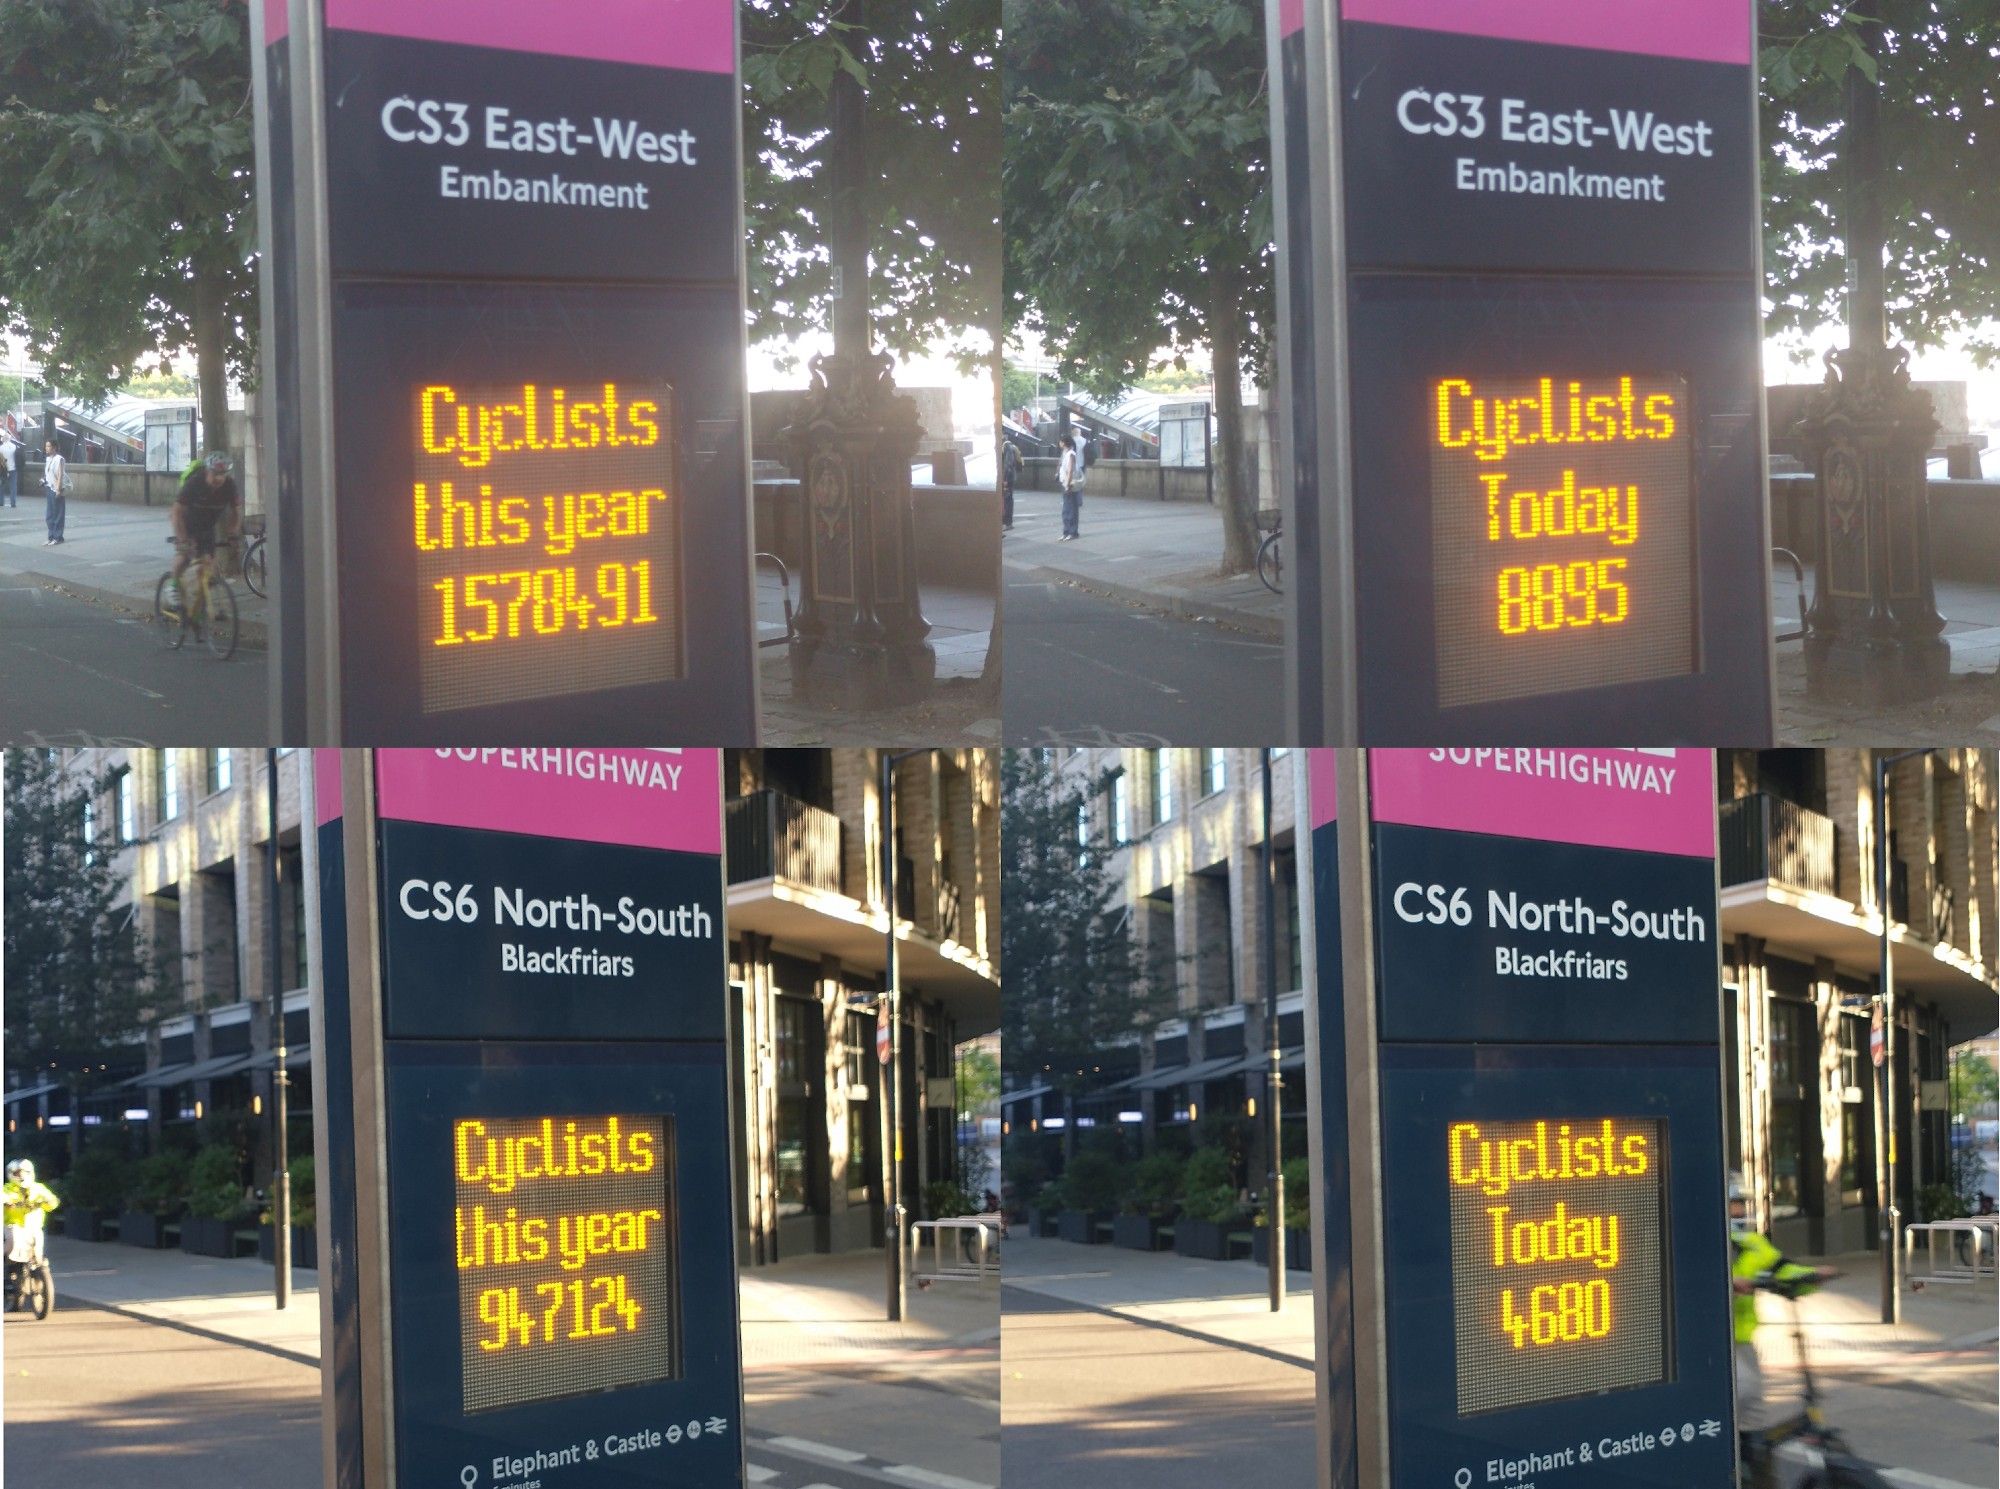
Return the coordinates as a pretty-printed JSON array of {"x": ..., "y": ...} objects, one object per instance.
[
  {"x": 220, "y": 461},
  {"x": 1740, "y": 1222},
  {"x": 21, "y": 1171}
]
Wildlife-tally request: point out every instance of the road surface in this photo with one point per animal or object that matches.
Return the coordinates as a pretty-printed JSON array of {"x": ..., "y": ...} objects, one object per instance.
[
  {"x": 77, "y": 673},
  {"x": 1083, "y": 670},
  {"x": 1096, "y": 1400}
]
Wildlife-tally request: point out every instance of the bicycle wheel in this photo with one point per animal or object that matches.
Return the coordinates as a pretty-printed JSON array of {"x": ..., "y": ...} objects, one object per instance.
[
  {"x": 1271, "y": 564},
  {"x": 221, "y": 608},
  {"x": 253, "y": 567},
  {"x": 168, "y": 614},
  {"x": 42, "y": 1284}
]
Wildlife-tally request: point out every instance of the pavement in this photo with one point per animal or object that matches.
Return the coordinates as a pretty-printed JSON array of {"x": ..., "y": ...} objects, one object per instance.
[
  {"x": 1164, "y": 556},
  {"x": 1136, "y": 1370},
  {"x": 961, "y": 711},
  {"x": 834, "y": 1395},
  {"x": 1967, "y": 712}
]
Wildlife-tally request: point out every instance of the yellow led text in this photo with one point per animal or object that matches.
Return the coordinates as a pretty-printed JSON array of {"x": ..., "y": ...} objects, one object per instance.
[
  {"x": 1582, "y": 414},
  {"x": 539, "y": 421},
  {"x": 582, "y": 1149},
  {"x": 1553, "y": 1152},
  {"x": 500, "y": 1240}
]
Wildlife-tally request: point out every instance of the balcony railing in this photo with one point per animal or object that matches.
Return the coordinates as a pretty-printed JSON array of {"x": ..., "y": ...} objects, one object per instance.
[
  {"x": 769, "y": 835},
  {"x": 1766, "y": 837}
]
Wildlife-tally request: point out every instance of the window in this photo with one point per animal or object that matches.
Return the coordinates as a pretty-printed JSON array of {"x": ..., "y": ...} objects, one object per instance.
[
  {"x": 1794, "y": 1108},
  {"x": 791, "y": 1155},
  {"x": 125, "y": 806},
  {"x": 1083, "y": 825},
  {"x": 89, "y": 831},
  {"x": 861, "y": 1145},
  {"x": 1214, "y": 770},
  {"x": 1121, "y": 809},
  {"x": 792, "y": 1041},
  {"x": 167, "y": 781},
  {"x": 217, "y": 771},
  {"x": 1853, "y": 1063},
  {"x": 1162, "y": 784},
  {"x": 1854, "y": 1155},
  {"x": 860, "y": 1046}
]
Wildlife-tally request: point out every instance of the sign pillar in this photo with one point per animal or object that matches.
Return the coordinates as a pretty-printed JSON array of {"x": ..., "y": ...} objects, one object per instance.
[
  {"x": 1515, "y": 1035},
  {"x": 512, "y": 319},
  {"x": 1520, "y": 359},
  {"x": 528, "y": 1233}
]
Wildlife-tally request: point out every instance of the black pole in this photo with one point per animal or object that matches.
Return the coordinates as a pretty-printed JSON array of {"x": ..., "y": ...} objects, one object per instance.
[
  {"x": 1274, "y": 1079},
  {"x": 892, "y": 1010},
  {"x": 1885, "y": 1081},
  {"x": 281, "y": 1179}
]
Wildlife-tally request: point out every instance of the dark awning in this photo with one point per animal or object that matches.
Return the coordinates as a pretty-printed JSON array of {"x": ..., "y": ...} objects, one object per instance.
[{"x": 28, "y": 1093}]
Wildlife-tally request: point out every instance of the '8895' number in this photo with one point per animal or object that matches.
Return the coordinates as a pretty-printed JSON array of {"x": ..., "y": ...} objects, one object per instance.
[{"x": 1549, "y": 597}]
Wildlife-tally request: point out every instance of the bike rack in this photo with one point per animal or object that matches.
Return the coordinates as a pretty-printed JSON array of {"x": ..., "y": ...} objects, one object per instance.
[
  {"x": 785, "y": 584},
  {"x": 1798, "y": 573}
]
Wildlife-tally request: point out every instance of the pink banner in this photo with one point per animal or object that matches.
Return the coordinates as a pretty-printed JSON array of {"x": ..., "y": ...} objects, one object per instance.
[
  {"x": 1653, "y": 800},
  {"x": 693, "y": 35},
  {"x": 1322, "y": 787},
  {"x": 326, "y": 786},
  {"x": 1291, "y": 16},
  {"x": 277, "y": 21},
  {"x": 1702, "y": 30},
  {"x": 645, "y": 798}
]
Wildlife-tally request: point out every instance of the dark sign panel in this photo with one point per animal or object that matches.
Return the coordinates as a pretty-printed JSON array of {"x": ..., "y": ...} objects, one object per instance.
[{"x": 1544, "y": 518}]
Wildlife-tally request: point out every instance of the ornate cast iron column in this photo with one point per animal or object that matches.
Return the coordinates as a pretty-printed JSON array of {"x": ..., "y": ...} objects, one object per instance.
[
  {"x": 859, "y": 634},
  {"x": 1872, "y": 634}
]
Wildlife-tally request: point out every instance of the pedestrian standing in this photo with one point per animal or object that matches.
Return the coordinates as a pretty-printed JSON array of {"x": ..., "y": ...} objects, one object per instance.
[
  {"x": 55, "y": 481},
  {"x": 1071, "y": 474},
  {"x": 10, "y": 467}
]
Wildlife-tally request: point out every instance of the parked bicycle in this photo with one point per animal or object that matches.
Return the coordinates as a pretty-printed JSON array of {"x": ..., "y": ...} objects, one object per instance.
[
  {"x": 201, "y": 604},
  {"x": 253, "y": 565},
  {"x": 1271, "y": 552},
  {"x": 1837, "y": 1467}
]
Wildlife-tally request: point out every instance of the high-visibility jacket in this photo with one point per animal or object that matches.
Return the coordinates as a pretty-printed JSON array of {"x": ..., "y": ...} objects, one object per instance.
[
  {"x": 1755, "y": 1257},
  {"x": 26, "y": 1204}
]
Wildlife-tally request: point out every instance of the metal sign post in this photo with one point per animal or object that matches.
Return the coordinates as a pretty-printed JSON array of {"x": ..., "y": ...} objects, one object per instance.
[
  {"x": 515, "y": 489},
  {"x": 1515, "y": 1087},
  {"x": 1520, "y": 340},
  {"x": 527, "y": 1210}
]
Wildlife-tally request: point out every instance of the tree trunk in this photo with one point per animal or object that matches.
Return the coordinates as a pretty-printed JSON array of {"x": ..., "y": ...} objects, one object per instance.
[
  {"x": 1239, "y": 501},
  {"x": 210, "y": 335}
]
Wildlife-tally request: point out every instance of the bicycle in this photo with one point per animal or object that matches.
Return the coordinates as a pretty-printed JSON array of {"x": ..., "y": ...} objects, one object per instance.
[
  {"x": 1270, "y": 552},
  {"x": 1838, "y": 1467},
  {"x": 202, "y": 603},
  {"x": 253, "y": 565}
]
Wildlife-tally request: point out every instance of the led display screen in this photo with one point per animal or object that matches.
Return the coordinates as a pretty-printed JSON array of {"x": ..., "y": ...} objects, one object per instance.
[
  {"x": 1562, "y": 512},
  {"x": 1560, "y": 1286},
  {"x": 546, "y": 522},
  {"x": 568, "y": 1277}
]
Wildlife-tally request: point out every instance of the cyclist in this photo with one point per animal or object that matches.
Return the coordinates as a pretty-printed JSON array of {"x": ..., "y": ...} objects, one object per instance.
[
  {"x": 1753, "y": 1260},
  {"x": 208, "y": 507},
  {"x": 27, "y": 1205}
]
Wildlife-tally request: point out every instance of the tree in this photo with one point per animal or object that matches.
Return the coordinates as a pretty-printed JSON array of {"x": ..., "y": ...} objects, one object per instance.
[
  {"x": 932, "y": 133},
  {"x": 1938, "y": 70},
  {"x": 1136, "y": 190},
  {"x": 1077, "y": 984},
  {"x": 126, "y": 134},
  {"x": 978, "y": 1078},
  {"x": 79, "y": 980},
  {"x": 1975, "y": 1088}
]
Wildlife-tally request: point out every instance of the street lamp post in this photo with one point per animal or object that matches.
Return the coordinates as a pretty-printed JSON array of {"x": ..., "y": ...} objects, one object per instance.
[
  {"x": 1885, "y": 1080},
  {"x": 893, "y": 1214},
  {"x": 1274, "y": 1079},
  {"x": 281, "y": 1179}
]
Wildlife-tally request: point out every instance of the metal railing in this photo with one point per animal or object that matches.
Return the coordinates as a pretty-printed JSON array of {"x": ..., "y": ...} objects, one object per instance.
[
  {"x": 769, "y": 835},
  {"x": 1767, "y": 837}
]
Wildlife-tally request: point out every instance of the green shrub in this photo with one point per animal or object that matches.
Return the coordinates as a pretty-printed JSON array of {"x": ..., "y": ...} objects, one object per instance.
[
  {"x": 1208, "y": 1191},
  {"x": 1156, "y": 1183},
  {"x": 1216, "y": 1203},
  {"x": 99, "y": 1180},
  {"x": 305, "y": 1196},
  {"x": 1298, "y": 1193},
  {"x": 215, "y": 1184},
  {"x": 160, "y": 1183},
  {"x": 1939, "y": 1202},
  {"x": 943, "y": 1199},
  {"x": 1094, "y": 1180}
]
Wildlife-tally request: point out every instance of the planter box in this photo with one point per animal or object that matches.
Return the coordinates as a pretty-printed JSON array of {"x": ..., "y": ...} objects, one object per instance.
[
  {"x": 203, "y": 1237},
  {"x": 1136, "y": 1232},
  {"x": 139, "y": 1228},
  {"x": 1207, "y": 1240},
  {"x": 1042, "y": 1224},
  {"x": 1298, "y": 1248},
  {"x": 84, "y": 1225},
  {"x": 1080, "y": 1226},
  {"x": 305, "y": 1247}
]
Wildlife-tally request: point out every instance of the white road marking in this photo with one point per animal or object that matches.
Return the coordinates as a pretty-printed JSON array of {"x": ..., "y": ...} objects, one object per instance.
[
  {"x": 815, "y": 1449},
  {"x": 932, "y": 1477},
  {"x": 758, "y": 1473},
  {"x": 82, "y": 667}
]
